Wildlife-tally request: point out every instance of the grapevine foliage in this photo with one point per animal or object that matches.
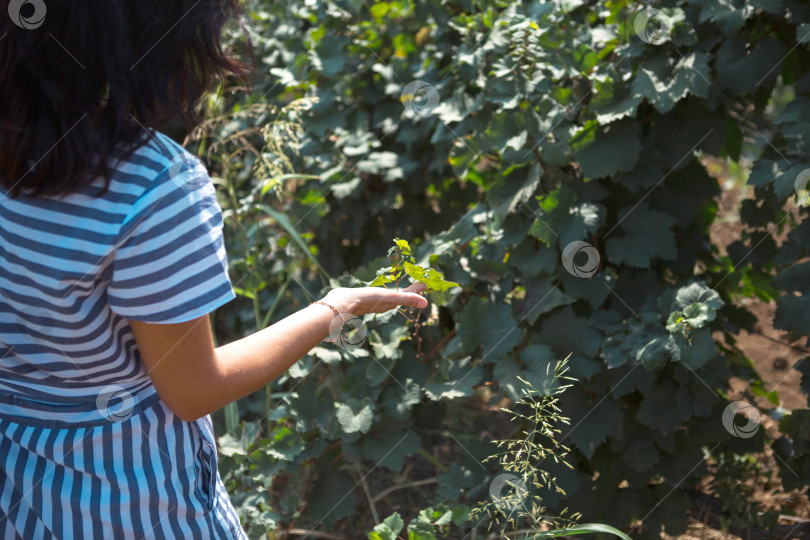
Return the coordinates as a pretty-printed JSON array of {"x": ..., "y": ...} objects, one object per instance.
[
  {"x": 404, "y": 264},
  {"x": 535, "y": 126}
]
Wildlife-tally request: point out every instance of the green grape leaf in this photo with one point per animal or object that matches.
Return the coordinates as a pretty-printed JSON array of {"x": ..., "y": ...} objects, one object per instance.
[
  {"x": 797, "y": 425},
  {"x": 793, "y": 314},
  {"x": 382, "y": 280},
  {"x": 605, "y": 150},
  {"x": 609, "y": 107},
  {"x": 429, "y": 276},
  {"x": 740, "y": 68},
  {"x": 803, "y": 367},
  {"x": 389, "y": 529},
  {"x": 641, "y": 454},
  {"x": 724, "y": 15},
  {"x": 695, "y": 401},
  {"x": 398, "y": 399},
  {"x": 795, "y": 278},
  {"x": 697, "y": 315},
  {"x": 697, "y": 292},
  {"x": 387, "y": 451},
  {"x": 554, "y": 208},
  {"x": 355, "y": 416},
  {"x": 675, "y": 323},
  {"x": 771, "y": 6},
  {"x": 333, "y": 496},
  {"x": 690, "y": 75},
  {"x": 309, "y": 405},
  {"x": 656, "y": 410},
  {"x": 582, "y": 219},
  {"x": 458, "y": 379},
  {"x": 565, "y": 333},
  {"x": 541, "y": 296},
  {"x": 695, "y": 351},
  {"x": 511, "y": 190},
  {"x": 402, "y": 256},
  {"x": 535, "y": 360},
  {"x": 672, "y": 516},
  {"x": 647, "y": 235},
  {"x": 385, "y": 343},
  {"x": 591, "y": 426},
  {"x": 642, "y": 177},
  {"x": 644, "y": 343},
  {"x": 506, "y": 373},
  {"x": 285, "y": 444},
  {"x": 238, "y": 443},
  {"x": 404, "y": 248},
  {"x": 460, "y": 514},
  {"x": 490, "y": 326},
  {"x": 420, "y": 530},
  {"x": 654, "y": 353},
  {"x": 454, "y": 482},
  {"x": 803, "y": 33},
  {"x": 379, "y": 367}
]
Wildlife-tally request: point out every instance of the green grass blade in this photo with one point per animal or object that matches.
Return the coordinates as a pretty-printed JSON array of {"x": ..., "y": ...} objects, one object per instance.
[
  {"x": 285, "y": 222},
  {"x": 231, "y": 417},
  {"x": 585, "y": 528}
]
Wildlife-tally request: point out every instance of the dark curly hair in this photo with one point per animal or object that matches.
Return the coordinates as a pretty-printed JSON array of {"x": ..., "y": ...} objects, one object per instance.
[{"x": 80, "y": 80}]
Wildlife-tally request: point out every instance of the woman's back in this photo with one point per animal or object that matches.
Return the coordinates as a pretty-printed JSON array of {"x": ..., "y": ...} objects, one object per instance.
[
  {"x": 87, "y": 448},
  {"x": 75, "y": 268}
]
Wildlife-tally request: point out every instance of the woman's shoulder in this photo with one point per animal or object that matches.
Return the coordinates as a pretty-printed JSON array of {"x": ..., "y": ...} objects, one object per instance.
[
  {"x": 160, "y": 170},
  {"x": 158, "y": 164},
  {"x": 144, "y": 160}
]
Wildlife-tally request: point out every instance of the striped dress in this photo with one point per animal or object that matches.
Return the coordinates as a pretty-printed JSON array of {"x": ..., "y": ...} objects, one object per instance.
[{"x": 87, "y": 448}]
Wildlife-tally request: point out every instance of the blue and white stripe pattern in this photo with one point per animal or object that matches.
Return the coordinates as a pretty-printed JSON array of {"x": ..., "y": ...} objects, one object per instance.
[
  {"x": 150, "y": 476},
  {"x": 87, "y": 448}
]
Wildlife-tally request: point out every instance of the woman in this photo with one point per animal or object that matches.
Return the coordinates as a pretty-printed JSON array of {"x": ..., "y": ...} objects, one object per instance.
[{"x": 111, "y": 258}]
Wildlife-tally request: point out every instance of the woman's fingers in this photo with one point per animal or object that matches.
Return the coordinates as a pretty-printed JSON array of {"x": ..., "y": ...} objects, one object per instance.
[
  {"x": 416, "y": 287},
  {"x": 412, "y": 295},
  {"x": 413, "y": 300},
  {"x": 360, "y": 301},
  {"x": 389, "y": 299}
]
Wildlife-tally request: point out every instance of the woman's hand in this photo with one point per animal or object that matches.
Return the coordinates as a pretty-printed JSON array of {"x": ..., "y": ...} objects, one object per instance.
[
  {"x": 194, "y": 379},
  {"x": 362, "y": 300}
]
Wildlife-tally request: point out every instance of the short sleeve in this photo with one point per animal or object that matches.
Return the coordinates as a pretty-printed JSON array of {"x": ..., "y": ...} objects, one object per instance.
[{"x": 170, "y": 264}]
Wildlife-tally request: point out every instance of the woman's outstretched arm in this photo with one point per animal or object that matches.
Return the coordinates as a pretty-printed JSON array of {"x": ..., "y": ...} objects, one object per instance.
[{"x": 194, "y": 379}]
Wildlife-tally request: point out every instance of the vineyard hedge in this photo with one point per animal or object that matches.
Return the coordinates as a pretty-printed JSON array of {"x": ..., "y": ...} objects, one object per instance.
[{"x": 549, "y": 157}]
